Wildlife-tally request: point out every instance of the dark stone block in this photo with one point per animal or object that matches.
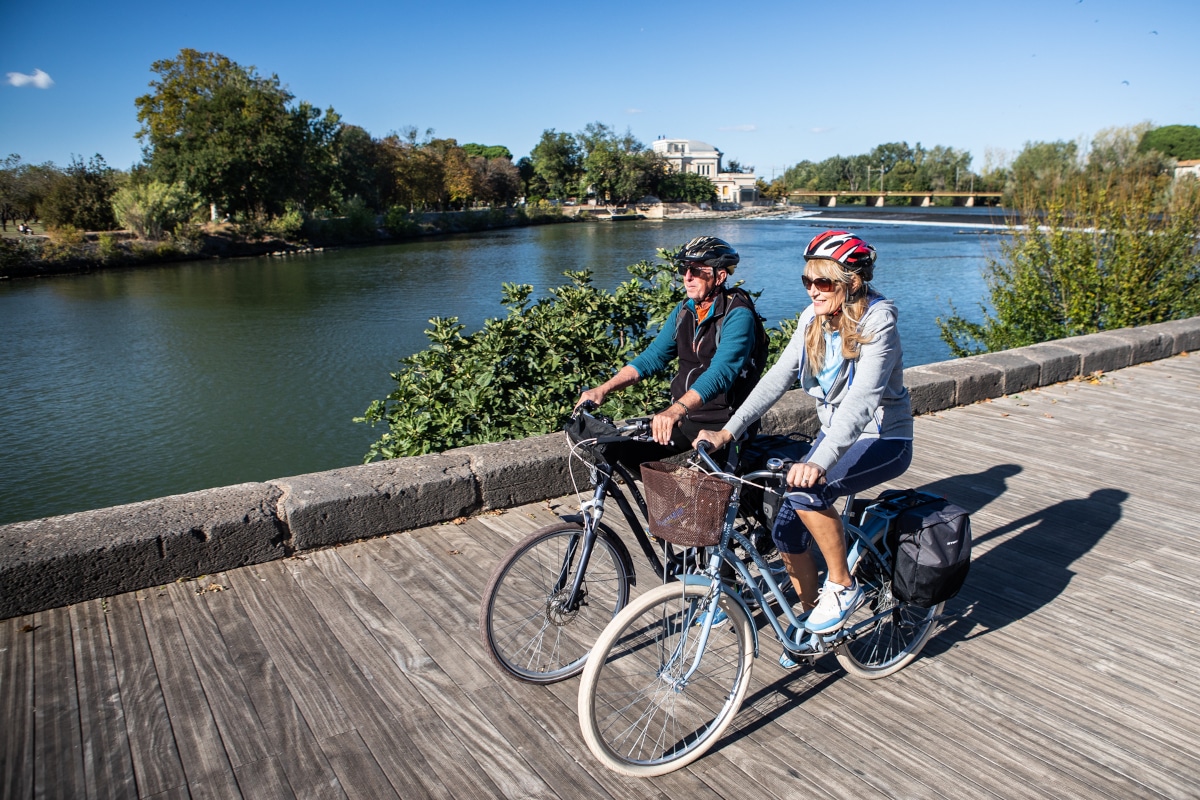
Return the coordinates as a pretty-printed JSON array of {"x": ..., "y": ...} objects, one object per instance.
[
  {"x": 1057, "y": 363},
  {"x": 974, "y": 380},
  {"x": 344, "y": 505},
  {"x": 1099, "y": 352},
  {"x": 1020, "y": 373},
  {"x": 57, "y": 561},
  {"x": 929, "y": 390}
]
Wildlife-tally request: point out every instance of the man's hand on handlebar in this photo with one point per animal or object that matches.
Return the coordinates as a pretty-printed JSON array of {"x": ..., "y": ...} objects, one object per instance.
[
  {"x": 662, "y": 424},
  {"x": 593, "y": 396}
]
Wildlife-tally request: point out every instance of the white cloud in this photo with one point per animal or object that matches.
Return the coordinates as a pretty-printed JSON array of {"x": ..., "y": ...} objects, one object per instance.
[
  {"x": 634, "y": 111},
  {"x": 821, "y": 130},
  {"x": 39, "y": 79},
  {"x": 739, "y": 128}
]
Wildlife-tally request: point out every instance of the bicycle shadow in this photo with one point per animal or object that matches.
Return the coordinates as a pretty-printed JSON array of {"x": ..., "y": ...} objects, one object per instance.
[
  {"x": 1029, "y": 570},
  {"x": 1009, "y": 581}
]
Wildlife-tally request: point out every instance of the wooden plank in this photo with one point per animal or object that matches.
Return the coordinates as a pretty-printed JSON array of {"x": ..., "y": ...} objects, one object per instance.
[
  {"x": 107, "y": 760},
  {"x": 283, "y": 725},
  {"x": 57, "y": 741},
  {"x": 309, "y": 772},
  {"x": 322, "y": 712},
  {"x": 156, "y": 763},
  {"x": 356, "y": 768},
  {"x": 201, "y": 750},
  {"x": 264, "y": 779},
  {"x": 16, "y": 707},
  {"x": 413, "y": 686},
  {"x": 396, "y": 727},
  {"x": 238, "y": 724}
]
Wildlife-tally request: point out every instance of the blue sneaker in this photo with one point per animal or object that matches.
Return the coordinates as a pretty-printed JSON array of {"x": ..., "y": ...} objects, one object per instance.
[
  {"x": 785, "y": 659},
  {"x": 834, "y": 606},
  {"x": 719, "y": 619}
]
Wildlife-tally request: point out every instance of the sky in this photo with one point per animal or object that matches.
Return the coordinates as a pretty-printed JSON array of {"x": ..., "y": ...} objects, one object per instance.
[{"x": 767, "y": 83}]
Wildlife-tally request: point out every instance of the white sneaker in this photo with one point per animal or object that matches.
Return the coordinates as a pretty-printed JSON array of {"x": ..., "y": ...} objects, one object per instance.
[{"x": 834, "y": 605}]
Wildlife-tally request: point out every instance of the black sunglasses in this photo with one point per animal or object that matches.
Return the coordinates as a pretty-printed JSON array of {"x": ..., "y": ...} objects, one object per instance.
[
  {"x": 697, "y": 269},
  {"x": 822, "y": 284}
]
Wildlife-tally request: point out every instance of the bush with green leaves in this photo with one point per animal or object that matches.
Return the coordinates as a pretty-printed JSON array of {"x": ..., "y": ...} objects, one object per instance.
[
  {"x": 1111, "y": 258},
  {"x": 520, "y": 374},
  {"x": 153, "y": 209}
]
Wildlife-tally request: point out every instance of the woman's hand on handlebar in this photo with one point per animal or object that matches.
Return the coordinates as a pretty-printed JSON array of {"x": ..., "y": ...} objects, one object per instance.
[
  {"x": 804, "y": 474},
  {"x": 715, "y": 439}
]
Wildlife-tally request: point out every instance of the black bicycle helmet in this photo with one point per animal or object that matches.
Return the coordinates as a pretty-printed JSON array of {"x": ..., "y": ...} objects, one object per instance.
[
  {"x": 846, "y": 249},
  {"x": 711, "y": 252}
]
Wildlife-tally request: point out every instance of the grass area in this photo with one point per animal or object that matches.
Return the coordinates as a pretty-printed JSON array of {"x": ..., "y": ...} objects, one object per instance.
[{"x": 38, "y": 229}]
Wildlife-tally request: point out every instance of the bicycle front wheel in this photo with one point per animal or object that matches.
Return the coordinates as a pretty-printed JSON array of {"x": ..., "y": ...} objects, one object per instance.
[
  {"x": 888, "y": 633},
  {"x": 531, "y": 627},
  {"x": 650, "y": 700}
]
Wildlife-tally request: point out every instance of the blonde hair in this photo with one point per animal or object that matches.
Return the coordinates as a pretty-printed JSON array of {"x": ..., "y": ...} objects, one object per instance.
[{"x": 845, "y": 323}]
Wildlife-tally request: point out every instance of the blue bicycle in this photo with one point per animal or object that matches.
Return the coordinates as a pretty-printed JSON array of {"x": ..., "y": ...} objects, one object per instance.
[{"x": 670, "y": 671}]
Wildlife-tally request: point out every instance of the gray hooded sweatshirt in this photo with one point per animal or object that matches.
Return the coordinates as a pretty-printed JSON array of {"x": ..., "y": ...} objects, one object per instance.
[{"x": 867, "y": 399}]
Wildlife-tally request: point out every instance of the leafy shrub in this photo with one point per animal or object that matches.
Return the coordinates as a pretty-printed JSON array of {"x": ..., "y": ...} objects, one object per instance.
[
  {"x": 398, "y": 222},
  {"x": 1107, "y": 260},
  {"x": 517, "y": 375},
  {"x": 288, "y": 226},
  {"x": 153, "y": 208},
  {"x": 108, "y": 247}
]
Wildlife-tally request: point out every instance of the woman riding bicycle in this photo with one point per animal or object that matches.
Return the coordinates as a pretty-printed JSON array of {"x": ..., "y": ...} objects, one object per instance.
[{"x": 846, "y": 353}]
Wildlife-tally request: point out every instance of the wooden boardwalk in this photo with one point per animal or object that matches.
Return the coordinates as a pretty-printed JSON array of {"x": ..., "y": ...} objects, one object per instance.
[{"x": 1071, "y": 670}]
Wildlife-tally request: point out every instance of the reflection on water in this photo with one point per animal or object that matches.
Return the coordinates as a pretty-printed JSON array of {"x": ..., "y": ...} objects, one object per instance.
[{"x": 127, "y": 385}]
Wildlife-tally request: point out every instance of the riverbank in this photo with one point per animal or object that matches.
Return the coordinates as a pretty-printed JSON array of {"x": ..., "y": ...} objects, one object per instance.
[{"x": 45, "y": 255}]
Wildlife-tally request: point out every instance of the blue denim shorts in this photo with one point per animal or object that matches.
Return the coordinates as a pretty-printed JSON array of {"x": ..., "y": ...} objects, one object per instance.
[{"x": 868, "y": 462}]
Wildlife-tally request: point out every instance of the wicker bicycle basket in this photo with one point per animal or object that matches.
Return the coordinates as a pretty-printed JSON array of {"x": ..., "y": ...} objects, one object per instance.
[{"x": 685, "y": 507}]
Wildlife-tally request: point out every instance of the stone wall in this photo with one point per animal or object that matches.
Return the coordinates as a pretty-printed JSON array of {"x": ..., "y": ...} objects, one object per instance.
[{"x": 57, "y": 561}]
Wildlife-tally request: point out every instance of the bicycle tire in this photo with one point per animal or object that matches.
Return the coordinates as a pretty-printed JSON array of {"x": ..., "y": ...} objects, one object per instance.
[
  {"x": 898, "y": 632},
  {"x": 634, "y": 720},
  {"x": 525, "y": 628}
]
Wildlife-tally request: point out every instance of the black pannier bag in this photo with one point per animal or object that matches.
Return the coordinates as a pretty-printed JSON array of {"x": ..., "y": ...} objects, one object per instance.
[{"x": 931, "y": 540}]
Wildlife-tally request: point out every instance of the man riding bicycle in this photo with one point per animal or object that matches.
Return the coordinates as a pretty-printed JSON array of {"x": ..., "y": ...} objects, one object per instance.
[{"x": 715, "y": 335}]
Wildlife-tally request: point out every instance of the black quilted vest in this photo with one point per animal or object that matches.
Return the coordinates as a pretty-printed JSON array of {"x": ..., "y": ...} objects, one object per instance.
[{"x": 695, "y": 354}]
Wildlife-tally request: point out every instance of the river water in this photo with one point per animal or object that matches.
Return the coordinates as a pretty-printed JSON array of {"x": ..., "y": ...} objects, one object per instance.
[{"x": 132, "y": 384}]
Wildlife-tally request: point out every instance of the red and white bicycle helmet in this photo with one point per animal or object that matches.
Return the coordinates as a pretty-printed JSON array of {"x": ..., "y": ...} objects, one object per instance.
[{"x": 846, "y": 249}]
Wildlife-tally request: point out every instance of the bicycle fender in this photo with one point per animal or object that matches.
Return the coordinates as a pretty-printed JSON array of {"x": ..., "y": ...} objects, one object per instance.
[{"x": 705, "y": 581}]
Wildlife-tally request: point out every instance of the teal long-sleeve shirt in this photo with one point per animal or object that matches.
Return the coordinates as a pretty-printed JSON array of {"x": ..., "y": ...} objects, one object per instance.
[{"x": 733, "y": 351}]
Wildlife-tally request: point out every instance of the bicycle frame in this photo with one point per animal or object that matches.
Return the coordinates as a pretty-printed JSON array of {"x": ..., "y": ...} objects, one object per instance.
[{"x": 873, "y": 523}]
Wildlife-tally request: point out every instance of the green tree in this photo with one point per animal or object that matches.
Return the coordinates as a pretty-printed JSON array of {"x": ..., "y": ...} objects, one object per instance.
[
  {"x": 687, "y": 187},
  {"x": 1041, "y": 170},
  {"x": 24, "y": 189},
  {"x": 487, "y": 151},
  {"x": 618, "y": 169},
  {"x": 230, "y": 136},
  {"x": 557, "y": 162},
  {"x": 1111, "y": 258},
  {"x": 1175, "y": 141},
  {"x": 82, "y": 196}
]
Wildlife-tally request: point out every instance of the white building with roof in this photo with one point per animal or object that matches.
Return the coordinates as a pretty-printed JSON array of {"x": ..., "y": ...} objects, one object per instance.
[
  {"x": 692, "y": 155},
  {"x": 1188, "y": 167}
]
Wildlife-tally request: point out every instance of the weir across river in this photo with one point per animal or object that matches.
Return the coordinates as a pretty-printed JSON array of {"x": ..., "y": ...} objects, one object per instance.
[{"x": 1066, "y": 668}]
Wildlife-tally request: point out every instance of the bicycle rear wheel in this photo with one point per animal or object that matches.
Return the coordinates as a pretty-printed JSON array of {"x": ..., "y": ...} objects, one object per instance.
[
  {"x": 529, "y": 627},
  {"x": 891, "y": 633},
  {"x": 640, "y": 712}
]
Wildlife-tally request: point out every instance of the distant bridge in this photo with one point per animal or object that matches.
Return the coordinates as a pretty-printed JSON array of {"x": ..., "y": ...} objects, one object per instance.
[{"x": 830, "y": 199}]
